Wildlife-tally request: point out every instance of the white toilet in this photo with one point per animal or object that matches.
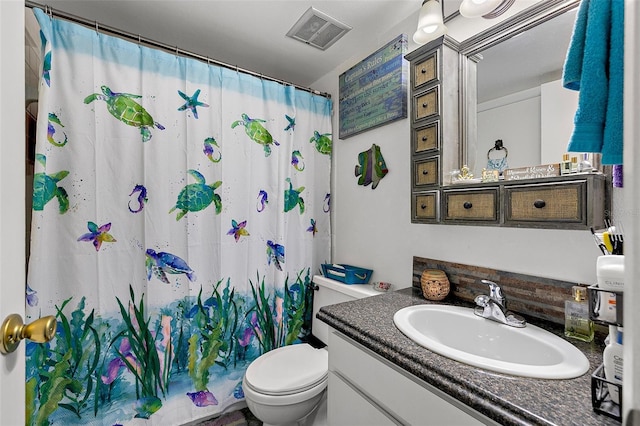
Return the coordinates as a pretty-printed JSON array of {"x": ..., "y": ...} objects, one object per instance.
[{"x": 287, "y": 386}]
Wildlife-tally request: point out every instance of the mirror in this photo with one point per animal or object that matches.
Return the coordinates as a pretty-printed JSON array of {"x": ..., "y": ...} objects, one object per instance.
[{"x": 514, "y": 92}]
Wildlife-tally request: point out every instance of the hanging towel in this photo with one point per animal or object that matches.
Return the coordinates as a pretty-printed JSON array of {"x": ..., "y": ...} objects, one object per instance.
[
  {"x": 573, "y": 63},
  {"x": 613, "y": 145},
  {"x": 594, "y": 66}
]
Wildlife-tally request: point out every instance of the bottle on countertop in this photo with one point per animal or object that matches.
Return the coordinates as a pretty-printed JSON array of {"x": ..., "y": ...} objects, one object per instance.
[
  {"x": 574, "y": 164},
  {"x": 565, "y": 165},
  {"x": 577, "y": 324},
  {"x": 612, "y": 360},
  {"x": 610, "y": 276},
  {"x": 585, "y": 165}
]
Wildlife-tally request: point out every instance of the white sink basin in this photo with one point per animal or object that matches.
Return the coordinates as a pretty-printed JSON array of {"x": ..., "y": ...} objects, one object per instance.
[{"x": 459, "y": 334}]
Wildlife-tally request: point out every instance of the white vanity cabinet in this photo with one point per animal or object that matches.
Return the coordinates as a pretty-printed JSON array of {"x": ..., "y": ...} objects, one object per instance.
[{"x": 366, "y": 389}]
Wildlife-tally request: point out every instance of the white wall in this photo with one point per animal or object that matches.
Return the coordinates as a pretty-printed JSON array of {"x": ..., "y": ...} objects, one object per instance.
[{"x": 372, "y": 228}]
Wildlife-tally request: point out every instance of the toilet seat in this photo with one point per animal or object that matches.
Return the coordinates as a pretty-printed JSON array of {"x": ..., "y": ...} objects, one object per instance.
[{"x": 288, "y": 370}]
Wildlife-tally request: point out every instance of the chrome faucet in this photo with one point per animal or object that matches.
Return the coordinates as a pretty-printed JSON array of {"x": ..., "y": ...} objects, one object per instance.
[{"x": 494, "y": 307}]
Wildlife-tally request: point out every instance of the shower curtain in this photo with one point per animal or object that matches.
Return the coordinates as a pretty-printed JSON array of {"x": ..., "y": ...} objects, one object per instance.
[{"x": 179, "y": 212}]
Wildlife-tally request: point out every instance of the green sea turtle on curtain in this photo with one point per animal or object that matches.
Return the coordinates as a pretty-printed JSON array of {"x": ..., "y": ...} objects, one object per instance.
[
  {"x": 197, "y": 196},
  {"x": 292, "y": 197},
  {"x": 45, "y": 187},
  {"x": 123, "y": 107},
  {"x": 256, "y": 132},
  {"x": 323, "y": 142}
]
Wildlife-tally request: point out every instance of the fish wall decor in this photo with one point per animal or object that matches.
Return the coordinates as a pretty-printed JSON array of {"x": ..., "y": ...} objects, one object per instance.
[{"x": 371, "y": 167}]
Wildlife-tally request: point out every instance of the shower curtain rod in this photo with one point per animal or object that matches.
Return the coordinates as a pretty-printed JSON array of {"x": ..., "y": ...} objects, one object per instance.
[{"x": 159, "y": 45}]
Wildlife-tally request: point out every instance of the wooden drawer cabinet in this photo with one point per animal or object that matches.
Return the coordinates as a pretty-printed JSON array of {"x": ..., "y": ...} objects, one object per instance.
[
  {"x": 560, "y": 202},
  {"x": 425, "y": 206},
  {"x": 426, "y": 138},
  {"x": 479, "y": 205},
  {"x": 425, "y": 71},
  {"x": 426, "y": 172},
  {"x": 426, "y": 104}
]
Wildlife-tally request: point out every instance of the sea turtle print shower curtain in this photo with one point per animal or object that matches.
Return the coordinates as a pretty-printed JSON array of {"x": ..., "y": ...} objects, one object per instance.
[{"x": 180, "y": 210}]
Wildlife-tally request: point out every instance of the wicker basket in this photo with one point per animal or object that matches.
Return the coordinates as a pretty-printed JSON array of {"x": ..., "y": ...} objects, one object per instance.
[{"x": 435, "y": 284}]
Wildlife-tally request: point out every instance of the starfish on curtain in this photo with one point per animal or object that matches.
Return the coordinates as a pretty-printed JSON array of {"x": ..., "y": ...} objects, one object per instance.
[
  {"x": 191, "y": 102},
  {"x": 98, "y": 235}
]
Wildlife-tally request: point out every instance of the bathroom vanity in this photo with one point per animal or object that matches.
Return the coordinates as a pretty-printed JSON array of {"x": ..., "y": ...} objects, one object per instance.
[
  {"x": 379, "y": 376},
  {"x": 366, "y": 389}
]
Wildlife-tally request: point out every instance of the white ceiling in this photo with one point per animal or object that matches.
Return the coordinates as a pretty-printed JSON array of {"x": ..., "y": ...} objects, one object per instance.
[{"x": 249, "y": 33}]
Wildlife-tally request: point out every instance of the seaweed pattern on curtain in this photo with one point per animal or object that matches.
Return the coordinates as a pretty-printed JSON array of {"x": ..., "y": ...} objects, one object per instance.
[{"x": 179, "y": 212}]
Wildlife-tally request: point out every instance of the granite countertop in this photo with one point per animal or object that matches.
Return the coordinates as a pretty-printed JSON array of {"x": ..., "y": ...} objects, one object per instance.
[{"x": 509, "y": 400}]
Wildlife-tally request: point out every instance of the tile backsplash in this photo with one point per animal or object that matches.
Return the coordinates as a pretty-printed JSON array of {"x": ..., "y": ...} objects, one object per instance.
[{"x": 537, "y": 297}]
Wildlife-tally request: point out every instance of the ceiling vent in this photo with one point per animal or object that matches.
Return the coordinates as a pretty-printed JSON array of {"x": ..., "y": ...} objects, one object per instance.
[{"x": 318, "y": 29}]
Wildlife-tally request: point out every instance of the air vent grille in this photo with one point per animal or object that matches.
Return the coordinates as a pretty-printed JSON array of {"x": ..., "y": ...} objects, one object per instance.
[{"x": 318, "y": 29}]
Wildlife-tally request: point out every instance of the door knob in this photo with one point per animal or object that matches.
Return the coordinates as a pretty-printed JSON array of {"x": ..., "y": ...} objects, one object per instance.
[{"x": 14, "y": 330}]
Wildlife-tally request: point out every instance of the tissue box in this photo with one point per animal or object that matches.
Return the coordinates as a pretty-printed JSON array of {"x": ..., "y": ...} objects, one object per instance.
[{"x": 346, "y": 273}]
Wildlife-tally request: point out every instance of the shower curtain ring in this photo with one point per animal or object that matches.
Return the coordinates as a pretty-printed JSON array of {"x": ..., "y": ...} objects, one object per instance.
[
  {"x": 139, "y": 39},
  {"x": 96, "y": 26}
]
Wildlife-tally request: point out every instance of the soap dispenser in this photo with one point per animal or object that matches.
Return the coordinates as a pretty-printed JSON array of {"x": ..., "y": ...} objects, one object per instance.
[{"x": 577, "y": 324}]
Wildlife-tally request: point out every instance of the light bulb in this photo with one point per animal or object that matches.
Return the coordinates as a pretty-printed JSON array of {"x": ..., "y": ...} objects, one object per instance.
[{"x": 478, "y": 8}]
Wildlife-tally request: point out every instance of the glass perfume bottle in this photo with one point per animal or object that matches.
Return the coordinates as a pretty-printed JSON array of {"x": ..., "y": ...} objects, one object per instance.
[
  {"x": 577, "y": 324},
  {"x": 565, "y": 165}
]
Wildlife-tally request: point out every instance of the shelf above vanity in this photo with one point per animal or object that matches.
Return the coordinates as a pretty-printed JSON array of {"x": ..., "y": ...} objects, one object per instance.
[{"x": 443, "y": 124}]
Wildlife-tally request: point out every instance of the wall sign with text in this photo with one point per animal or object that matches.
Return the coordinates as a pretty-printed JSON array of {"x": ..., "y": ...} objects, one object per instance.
[{"x": 374, "y": 92}]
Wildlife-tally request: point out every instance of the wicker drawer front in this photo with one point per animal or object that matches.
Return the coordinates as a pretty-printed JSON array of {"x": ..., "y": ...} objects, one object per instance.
[
  {"x": 425, "y": 206},
  {"x": 426, "y": 105},
  {"x": 557, "y": 203},
  {"x": 426, "y": 172},
  {"x": 477, "y": 205},
  {"x": 425, "y": 71},
  {"x": 426, "y": 138}
]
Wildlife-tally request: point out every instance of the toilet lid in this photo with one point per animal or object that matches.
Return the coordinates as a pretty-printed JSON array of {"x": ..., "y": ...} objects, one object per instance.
[{"x": 289, "y": 369}]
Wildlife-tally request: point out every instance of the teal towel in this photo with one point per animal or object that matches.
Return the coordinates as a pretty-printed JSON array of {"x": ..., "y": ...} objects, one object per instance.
[
  {"x": 594, "y": 66},
  {"x": 573, "y": 63},
  {"x": 613, "y": 127}
]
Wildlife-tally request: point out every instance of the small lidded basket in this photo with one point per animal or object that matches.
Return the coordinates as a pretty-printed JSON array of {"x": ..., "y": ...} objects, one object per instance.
[{"x": 435, "y": 284}]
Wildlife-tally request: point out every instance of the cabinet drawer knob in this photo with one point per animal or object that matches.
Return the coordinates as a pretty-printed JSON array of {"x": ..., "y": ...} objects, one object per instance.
[
  {"x": 423, "y": 70},
  {"x": 538, "y": 204},
  {"x": 423, "y": 206},
  {"x": 424, "y": 138},
  {"x": 425, "y": 104},
  {"x": 467, "y": 205},
  {"x": 425, "y": 172}
]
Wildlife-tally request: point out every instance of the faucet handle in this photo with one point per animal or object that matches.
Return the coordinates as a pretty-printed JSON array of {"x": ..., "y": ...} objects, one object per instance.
[{"x": 495, "y": 292}]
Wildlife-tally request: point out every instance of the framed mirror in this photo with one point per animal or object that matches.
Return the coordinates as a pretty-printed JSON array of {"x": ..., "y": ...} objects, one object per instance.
[{"x": 512, "y": 91}]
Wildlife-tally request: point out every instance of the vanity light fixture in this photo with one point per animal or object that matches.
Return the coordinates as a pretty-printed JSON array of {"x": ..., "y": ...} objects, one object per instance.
[
  {"x": 488, "y": 9},
  {"x": 430, "y": 23}
]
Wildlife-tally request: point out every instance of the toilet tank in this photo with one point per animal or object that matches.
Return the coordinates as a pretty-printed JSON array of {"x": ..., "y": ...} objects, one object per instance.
[{"x": 330, "y": 292}]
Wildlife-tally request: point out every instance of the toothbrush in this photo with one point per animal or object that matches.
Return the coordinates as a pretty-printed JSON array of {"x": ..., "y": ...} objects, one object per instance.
[{"x": 602, "y": 247}]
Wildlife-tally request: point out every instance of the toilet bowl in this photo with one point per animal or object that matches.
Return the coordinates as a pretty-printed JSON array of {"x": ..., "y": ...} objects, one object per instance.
[{"x": 287, "y": 386}]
